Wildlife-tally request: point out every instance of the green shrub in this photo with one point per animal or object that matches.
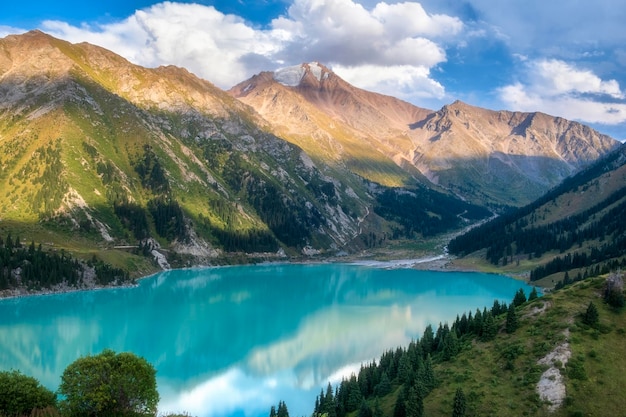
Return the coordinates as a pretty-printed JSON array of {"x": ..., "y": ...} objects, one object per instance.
[{"x": 21, "y": 394}]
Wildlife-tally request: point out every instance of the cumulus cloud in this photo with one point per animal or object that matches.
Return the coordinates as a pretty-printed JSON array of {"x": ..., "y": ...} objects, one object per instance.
[
  {"x": 395, "y": 44},
  {"x": 209, "y": 43},
  {"x": 402, "y": 81},
  {"x": 559, "y": 88}
]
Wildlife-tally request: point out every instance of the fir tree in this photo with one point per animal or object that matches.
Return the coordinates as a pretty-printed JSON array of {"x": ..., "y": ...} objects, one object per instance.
[
  {"x": 591, "y": 315},
  {"x": 520, "y": 298},
  {"x": 490, "y": 328},
  {"x": 533, "y": 294},
  {"x": 415, "y": 403},
  {"x": 459, "y": 403},
  {"x": 511, "y": 320}
]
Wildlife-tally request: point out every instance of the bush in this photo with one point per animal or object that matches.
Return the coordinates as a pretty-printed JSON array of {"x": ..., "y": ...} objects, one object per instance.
[{"x": 21, "y": 394}]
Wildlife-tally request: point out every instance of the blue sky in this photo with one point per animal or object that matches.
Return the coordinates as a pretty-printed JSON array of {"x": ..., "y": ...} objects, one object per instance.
[{"x": 563, "y": 57}]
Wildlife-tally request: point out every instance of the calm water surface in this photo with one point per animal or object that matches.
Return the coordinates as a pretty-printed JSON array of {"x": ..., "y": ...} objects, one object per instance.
[{"x": 236, "y": 340}]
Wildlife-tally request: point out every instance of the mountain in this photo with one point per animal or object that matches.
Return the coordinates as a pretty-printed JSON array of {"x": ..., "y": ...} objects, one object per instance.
[
  {"x": 490, "y": 157},
  {"x": 103, "y": 150},
  {"x": 102, "y": 157},
  {"x": 575, "y": 230}
]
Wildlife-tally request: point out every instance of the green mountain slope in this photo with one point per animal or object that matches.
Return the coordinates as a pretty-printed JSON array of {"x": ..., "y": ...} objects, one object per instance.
[
  {"x": 100, "y": 156},
  {"x": 556, "y": 355},
  {"x": 576, "y": 229}
]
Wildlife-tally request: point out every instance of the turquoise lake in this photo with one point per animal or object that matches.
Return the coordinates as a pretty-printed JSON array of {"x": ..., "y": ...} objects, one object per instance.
[{"x": 236, "y": 340}]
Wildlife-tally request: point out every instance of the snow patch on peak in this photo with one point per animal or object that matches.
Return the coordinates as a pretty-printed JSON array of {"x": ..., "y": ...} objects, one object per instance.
[
  {"x": 290, "y": 76},
  {"x": 316, "y": 70}
]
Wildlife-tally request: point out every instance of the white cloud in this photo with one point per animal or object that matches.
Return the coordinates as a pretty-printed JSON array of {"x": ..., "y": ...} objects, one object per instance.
[
  {"x": 554, "y": 77},
  {"x": 199, "y": 38},
  {"x": 9, "y": 30},
  {"x": 558, "y": 88},
  {"x": 389, "y": 40},
  {"x": 402, "y": 81}
]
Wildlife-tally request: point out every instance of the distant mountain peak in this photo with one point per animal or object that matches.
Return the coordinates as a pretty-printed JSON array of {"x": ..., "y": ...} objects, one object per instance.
[{"x": 294, "y": 75}]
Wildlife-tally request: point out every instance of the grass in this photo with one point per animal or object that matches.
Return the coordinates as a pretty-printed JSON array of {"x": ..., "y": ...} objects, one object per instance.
[{"x": 500, "y": 377}]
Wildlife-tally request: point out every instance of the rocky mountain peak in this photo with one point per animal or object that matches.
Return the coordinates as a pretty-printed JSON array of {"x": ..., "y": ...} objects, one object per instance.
[{"x": 306, "y": 73}]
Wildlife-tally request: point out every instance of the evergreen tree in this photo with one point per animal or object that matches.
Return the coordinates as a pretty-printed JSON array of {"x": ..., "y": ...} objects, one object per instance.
[
  {"x": 415, "y": 403},
  {"x": 490, "y": 328},
  {"x": 282, "y": 410},
  {"x": 520, "y": 298},
  {"x": 364, "y": 410},
  {"x": 428, "y": 378},
  {"x": 427, "y": 340},
  {"x": 384, "y": 386},
  {"x": 459, "y": 403},
  {"x": 404, "y": 368},
  {"x": 450, "y": 346},
  {"x": 533, "y": 294},
  {"x": 378, "y": 412},
  {"x": 591, "y": 315},
  {"x": 399, "y": 409},
  {"x": 511, "y": 320}
]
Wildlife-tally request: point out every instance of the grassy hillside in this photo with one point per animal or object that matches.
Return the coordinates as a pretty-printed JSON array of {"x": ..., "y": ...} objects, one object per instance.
[
  {"x": 500, "y": 377},
  {"x": 575, "y": 229},
  {"x": 544, "y": 357}
]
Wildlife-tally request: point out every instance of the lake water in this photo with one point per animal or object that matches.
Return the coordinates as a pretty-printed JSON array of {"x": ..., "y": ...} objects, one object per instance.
[{"x": 236, "y": 340}]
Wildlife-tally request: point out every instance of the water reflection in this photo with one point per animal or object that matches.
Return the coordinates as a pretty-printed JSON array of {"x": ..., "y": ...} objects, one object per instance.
[{"x": 236, "y": 340}]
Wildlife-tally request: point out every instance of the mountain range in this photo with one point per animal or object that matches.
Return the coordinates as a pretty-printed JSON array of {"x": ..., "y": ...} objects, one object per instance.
[
  {"x": 488, "y": 157},
  {"x": 100, "y": 156}
]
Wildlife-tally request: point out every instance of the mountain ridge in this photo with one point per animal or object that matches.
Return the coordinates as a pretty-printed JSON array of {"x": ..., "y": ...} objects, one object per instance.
[
  {"x": 102, "y": 157},
  {"x": 449, "y": 146}
]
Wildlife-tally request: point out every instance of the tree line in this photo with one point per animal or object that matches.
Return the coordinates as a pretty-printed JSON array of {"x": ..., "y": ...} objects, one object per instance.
[
  {"x": 410, "y": 370},
  {"x": 425, "y": 212},
  {"x": 33, "y": 268}
]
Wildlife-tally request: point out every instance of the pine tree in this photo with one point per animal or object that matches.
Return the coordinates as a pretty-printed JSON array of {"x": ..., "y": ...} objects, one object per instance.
[
  {"x": 520, "y": 298},
  {"x": 428, "y": 379},
  {"x": 427, "y": 340},
  {"x": 415, "y": 403},
  {"x": 533, "y": 294},
  {"x": 591, "y": 315},
  {"x": 384, "y": 386},
  {"x": 511, "y": 320},
  {"x": 282, "y": 410},
  {"x": 364, "y": 410},
  {"x": 378, "y": 412},
  {"x": 490, "y": 328},
  {"x": 459, "y": 403}
]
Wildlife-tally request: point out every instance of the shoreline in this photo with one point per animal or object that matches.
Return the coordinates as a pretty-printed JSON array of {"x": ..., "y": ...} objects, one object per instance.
[{"x": 441, "y": 262}]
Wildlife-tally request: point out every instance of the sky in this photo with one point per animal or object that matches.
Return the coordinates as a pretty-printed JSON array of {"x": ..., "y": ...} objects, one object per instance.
[{"x": 565, "y": 58}]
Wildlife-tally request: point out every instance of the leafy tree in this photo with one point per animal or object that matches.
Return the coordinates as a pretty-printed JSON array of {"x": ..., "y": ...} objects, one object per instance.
[
  {"x": 21, "y": 394},
  {"x": 459, "y": 403},
  {"x": 109, "y": 384},
  {"x": 591, "y": 315},
  {"x": 511, "y": 320}
]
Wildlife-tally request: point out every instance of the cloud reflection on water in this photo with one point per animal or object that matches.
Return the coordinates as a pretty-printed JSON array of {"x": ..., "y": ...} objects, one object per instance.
[{"x": 234, "y": 341}]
